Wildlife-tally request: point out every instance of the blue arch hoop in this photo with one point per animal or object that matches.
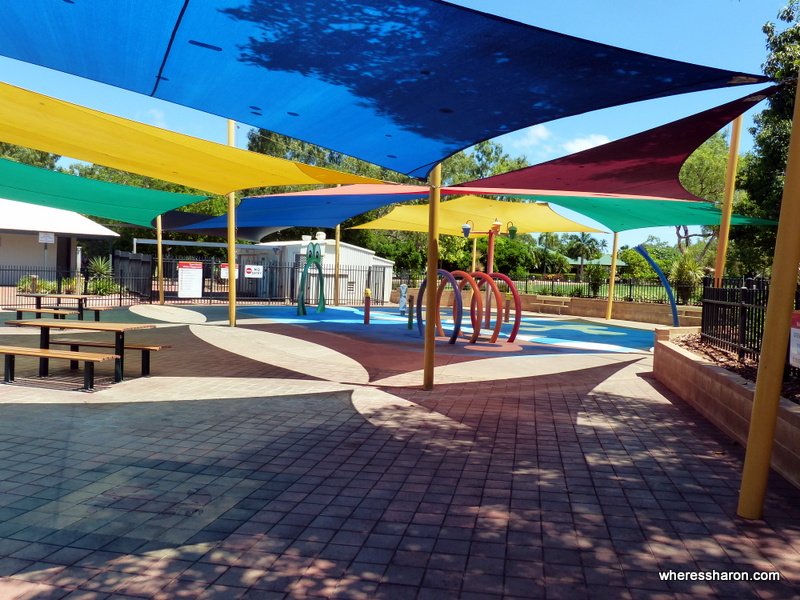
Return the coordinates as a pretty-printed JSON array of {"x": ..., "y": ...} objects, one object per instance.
[{"x": 459, "y": 306}]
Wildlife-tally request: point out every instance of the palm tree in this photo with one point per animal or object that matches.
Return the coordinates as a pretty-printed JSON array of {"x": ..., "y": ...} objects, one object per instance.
[
  {"x": 549, "y": 243},
  {"x": 584, "y": 247}
]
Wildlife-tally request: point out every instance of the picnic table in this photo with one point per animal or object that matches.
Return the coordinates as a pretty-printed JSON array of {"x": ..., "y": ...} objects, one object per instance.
[
  {"x": 80, "y": 298},
  {"x": 118, "y": 329}
]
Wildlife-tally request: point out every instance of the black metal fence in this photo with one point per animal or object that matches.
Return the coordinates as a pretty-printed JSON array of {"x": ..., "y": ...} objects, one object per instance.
[
  {"x": 135, "y": 281},
  {"x": 630, "y": 290},
  {"x": 733, "y": 317},
  {"x": 110, "y": 290}
]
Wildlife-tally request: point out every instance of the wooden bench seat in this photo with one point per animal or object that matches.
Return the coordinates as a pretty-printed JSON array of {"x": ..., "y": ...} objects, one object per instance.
[
  {"x": 58, "y": 313},
  {"x": 89, "y": 358},
  {"x": 96, "y": 309},
  {"x": 146, "y": 349}
]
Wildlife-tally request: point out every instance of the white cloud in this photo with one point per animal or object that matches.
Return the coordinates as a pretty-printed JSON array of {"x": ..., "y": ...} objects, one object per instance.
[
  {"x": 531, "y": 137},
  {"x": 532, "y": 142},
  {"x": 155, "y": 117},
  {"x": 584, "y": 143}
]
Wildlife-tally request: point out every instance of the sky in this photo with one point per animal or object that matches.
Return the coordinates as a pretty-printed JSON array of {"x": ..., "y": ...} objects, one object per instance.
[{"x": 717, "y": 33}]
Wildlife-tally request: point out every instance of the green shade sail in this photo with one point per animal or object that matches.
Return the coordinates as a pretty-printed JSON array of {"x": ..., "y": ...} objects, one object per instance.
[
  {"x": 137, "y": 206},
  {"x": 621, "y": 214}
]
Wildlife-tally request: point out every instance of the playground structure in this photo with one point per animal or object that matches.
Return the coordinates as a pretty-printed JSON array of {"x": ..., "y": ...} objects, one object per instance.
[
  {"x": 480, "y": 308},
  {"x": 313, "y": 257}
]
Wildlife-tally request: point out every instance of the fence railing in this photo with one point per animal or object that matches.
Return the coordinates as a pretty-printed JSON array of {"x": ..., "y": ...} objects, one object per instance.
[
  {"x": 733, "y": 317},
  {"x": 135, "y": 281},
  {"x": 110, "y": 291},
  {"x": 630, "y": 290}
]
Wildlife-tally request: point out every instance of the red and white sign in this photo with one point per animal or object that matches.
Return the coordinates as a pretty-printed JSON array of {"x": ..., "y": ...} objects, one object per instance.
[
  {"x": 794, "y": 340},
  {"x": 254, "y": 271},
  {"x": 223, "y": 271},
  {"x": 190, "y": 280}
]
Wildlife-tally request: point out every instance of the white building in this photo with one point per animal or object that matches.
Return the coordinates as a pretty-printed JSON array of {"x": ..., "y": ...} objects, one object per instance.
[
  {"x": 35, "y": 238},
  {"x": 364, "y": 269},
  {"x": 282, "y": 264}
]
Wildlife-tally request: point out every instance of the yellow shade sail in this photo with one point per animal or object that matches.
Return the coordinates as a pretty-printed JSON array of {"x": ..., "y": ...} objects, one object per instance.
[
  {"x": 527, "y": 217},
  {"x": 44, "y": 123}
]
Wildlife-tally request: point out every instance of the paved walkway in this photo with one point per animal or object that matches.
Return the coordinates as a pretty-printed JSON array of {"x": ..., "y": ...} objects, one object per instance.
[{"x": 274, "y": 461}]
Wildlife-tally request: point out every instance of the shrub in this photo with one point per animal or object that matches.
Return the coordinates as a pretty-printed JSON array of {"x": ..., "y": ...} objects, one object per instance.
[
  {"x": 576, "y": 292},
  {"x": 100, "y": 266},
  {"x": 103, "y": 287},
  {"x": 43, "y": 286},
  {"x": 595, "y": 275},
  {"x": 685, "y": 275}
]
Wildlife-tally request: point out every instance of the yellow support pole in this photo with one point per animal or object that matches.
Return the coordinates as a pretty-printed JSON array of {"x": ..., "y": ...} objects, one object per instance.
[
  {"x": 727, "y": 204},
  {"x": 612, "y": 276},
  {"x": 336, "y": 266},
  {"x": 776, "y": 337},
  {"x": 231, "y": 239},
  {"x": 435, "y": 183},
  {"x": 160, "y": 260}
]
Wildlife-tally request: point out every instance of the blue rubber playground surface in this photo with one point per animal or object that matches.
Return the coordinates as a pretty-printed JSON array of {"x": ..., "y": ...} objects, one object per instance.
[{"x": 536, "y": 335}]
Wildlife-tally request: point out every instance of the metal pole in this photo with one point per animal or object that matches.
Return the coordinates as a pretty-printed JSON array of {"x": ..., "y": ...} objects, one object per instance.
[
  {"x": 474, "y": 254},
  {"x": 231, "y": 239},
  {"x": 727, "y": 204},
  {"x": 336, "y": 265},
  {"x": 489, "y": 271},
  {"x": 776, "y": 337},
  {"x": 612, "y": 277},
  {"x": 435, "y": 182},
  {"x": 160, "y": 259}
]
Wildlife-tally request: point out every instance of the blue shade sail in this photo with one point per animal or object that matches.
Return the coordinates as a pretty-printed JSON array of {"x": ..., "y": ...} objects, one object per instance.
[
  {"x": 399, "y": 83},
  {"x": 258, "y": 216}
]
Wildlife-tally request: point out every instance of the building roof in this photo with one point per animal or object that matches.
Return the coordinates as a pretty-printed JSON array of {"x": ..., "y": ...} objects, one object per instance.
[
  {"x": 604, "y": 260},
  {"x": 20, "y": 217}
]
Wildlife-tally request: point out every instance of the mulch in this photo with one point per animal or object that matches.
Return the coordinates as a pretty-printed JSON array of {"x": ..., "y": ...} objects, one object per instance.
[{"x": 746, "y": 368}]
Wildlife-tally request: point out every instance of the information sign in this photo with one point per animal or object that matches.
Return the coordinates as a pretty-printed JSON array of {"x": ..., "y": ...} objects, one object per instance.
[
  {"x": 190, "y": 280},
  {"x": 794, "y": 340},
  {"x": 223, "y": 271}
]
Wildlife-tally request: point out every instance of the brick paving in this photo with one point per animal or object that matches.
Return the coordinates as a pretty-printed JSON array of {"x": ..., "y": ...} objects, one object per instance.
[{"x": 272, "y": 462}]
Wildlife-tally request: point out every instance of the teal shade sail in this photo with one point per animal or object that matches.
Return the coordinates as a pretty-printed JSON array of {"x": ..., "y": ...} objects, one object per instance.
[{"x": 127, "y": 204}]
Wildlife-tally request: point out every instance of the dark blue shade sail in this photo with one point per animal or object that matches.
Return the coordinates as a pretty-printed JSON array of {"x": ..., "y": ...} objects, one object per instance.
[{"x": 400, "y": 83}]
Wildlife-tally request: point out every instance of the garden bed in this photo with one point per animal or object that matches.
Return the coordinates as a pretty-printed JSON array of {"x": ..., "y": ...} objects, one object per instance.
[{"x": 724, "y": 397}]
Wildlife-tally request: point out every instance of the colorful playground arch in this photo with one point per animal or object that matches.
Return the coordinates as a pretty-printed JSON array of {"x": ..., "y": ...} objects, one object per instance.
[
  {"x": 313, "y": 257},
  {"x": 480, "y": 313}
]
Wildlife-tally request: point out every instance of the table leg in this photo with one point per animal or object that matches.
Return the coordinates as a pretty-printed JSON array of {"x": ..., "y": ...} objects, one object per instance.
[
  {"x": 119, "y": 350},
  {"x": 44, "y": 343},
  {"x": 81, "y": 306}
]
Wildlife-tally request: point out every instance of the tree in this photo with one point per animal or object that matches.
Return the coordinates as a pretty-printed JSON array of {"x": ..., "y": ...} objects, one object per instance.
[
  {"x": 636, "y": 267},
  {"x": 763, "y": 169},
  {"x": 27, "y": 156},
  {"x": 482, "y": 160},
  {"x": 703, "y": 174},
  {"x": 212, "y": 207},
  {"x": 584, "y": 246}
]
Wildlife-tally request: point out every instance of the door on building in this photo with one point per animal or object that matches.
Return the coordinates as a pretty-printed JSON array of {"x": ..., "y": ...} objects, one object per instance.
[{"x": 63, "y": 256}]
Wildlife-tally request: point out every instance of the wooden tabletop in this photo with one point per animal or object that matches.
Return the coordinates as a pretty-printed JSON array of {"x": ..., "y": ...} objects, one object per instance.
[
  {"x": 45, "y": 295},
  {"x": 89, "y": 325}
]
